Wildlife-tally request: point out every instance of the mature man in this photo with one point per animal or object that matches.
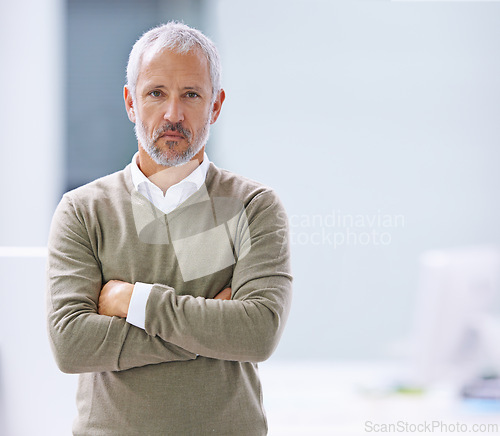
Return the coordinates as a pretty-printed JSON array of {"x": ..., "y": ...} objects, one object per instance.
[{"x": 169, "y": 280}]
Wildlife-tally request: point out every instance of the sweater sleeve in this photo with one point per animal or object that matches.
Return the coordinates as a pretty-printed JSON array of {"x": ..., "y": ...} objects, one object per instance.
[
  {"x": 247, "y": 327},
  {"x": 81, "y": 339}
]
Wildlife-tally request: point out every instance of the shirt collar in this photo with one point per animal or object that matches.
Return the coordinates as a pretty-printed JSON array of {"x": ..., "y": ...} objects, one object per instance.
[{"x": 197, "y": 177}]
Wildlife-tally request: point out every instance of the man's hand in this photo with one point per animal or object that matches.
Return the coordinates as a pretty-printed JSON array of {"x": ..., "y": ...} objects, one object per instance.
[
  {"x": 115, "y": 298},
  {"x": 225, "y": 294}
]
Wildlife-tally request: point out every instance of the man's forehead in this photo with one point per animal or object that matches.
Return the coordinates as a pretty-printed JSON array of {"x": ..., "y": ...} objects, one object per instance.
[
  {"x": 160, "y": 56},
  {"x": 159, "y": 67}
]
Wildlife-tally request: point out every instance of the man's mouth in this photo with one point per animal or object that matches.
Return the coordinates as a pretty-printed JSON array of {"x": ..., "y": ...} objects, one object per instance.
[{"x": 171, "y": 135}]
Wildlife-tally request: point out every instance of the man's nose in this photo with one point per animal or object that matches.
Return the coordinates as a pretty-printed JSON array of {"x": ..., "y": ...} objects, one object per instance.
[{"x": 173, "y": 111}]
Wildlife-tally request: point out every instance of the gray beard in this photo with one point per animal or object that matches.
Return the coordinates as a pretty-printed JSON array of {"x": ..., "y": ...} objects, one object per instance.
[{"x": 169, "y": 156}]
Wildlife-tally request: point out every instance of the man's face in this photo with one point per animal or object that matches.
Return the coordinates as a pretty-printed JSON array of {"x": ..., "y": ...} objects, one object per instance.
[{"x": 173, "y": 108}]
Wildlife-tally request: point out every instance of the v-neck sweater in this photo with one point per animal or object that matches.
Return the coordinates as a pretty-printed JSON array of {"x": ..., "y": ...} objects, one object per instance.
[{"x": 193, "y": 370}]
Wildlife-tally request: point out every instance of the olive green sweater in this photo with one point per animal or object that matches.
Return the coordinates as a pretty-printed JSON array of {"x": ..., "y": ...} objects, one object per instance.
[{"x": 193, "y": 371}]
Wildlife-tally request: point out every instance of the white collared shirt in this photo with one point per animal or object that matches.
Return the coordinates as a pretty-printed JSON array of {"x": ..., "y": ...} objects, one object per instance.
[
  {"x": 177, "y": 193},
  {"x": 174, "y": 196}
]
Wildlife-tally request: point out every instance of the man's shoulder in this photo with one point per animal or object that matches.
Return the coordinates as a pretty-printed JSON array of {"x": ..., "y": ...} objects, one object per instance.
[
  {"x": 254, "y": 196},
  {"x": 111, "y": 185},
  {"x": 223, "y": 182}
]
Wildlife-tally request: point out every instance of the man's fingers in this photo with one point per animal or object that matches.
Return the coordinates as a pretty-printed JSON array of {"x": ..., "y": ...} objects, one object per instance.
[{"x": 225, "y": 294}]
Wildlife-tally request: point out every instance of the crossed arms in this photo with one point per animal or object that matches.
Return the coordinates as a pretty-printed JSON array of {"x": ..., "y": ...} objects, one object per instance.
[
  {"x": 115, "y": 296},
  {"x": 178, "y": 327}
]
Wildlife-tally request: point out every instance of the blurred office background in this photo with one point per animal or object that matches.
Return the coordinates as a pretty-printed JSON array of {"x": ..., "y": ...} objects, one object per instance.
[{"x": 377, "y": 122}]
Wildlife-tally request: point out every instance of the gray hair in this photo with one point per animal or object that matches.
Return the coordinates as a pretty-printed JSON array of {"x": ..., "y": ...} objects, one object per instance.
[{"x": 178, "y": 38}]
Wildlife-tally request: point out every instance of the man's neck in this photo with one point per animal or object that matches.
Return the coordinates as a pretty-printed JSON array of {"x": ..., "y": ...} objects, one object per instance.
[{"x": 165, "y": 177}]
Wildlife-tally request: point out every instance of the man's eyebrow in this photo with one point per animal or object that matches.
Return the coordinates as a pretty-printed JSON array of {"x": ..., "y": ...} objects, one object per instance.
[
  {"x": 193, "y": 88},
  {"x": 185, "y": 88}
]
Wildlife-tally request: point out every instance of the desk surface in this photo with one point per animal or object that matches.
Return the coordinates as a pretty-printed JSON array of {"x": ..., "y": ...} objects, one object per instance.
[{"x": 355, "y": 398}]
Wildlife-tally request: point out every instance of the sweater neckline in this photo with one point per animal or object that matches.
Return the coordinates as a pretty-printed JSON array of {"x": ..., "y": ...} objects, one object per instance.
[{"x": 212, "y": 169}]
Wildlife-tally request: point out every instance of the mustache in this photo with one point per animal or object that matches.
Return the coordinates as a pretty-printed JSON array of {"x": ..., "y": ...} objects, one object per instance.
[{"x": 170, "y": 127}]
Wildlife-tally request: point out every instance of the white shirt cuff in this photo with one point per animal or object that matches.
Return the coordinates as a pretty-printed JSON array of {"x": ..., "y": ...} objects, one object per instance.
[{"x": 137, "y": 307}]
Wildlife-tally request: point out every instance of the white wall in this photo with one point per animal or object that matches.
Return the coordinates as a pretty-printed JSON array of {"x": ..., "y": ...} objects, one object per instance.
[
  {"x": 383, "y": 109},
  {"x": 31, "y": 118},
  {"x": 35, "y": 398}
]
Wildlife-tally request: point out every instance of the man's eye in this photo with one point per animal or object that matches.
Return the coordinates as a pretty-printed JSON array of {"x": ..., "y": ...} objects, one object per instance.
[
  {"x": 192, "y": 95},
  {"x": 155, "y": 93}
]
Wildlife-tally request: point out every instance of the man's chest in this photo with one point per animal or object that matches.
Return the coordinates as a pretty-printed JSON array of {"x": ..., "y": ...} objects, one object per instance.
[{"x": 190, "y": 250}]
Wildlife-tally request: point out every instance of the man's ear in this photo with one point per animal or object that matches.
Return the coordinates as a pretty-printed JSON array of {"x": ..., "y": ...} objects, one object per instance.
[
  {"x": 129, "y": 103},
  {"x": 217, "y": 106}
]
